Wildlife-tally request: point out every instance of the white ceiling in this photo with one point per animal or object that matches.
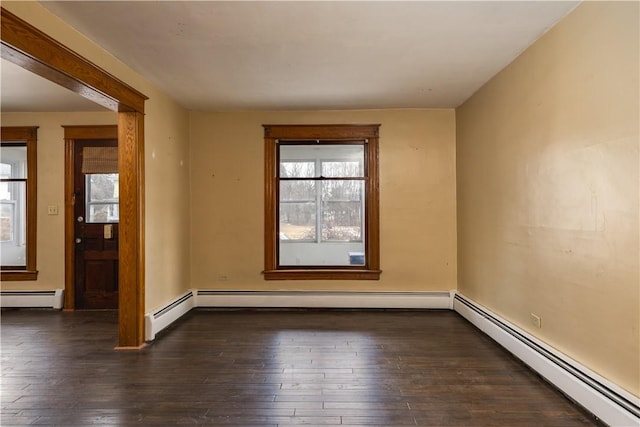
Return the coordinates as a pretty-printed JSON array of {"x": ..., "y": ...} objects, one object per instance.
[{"x": 233, "y": 55}]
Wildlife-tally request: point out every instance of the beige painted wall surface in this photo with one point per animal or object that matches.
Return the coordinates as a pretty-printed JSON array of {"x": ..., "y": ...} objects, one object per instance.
[
  {"x": 50, "y": 228},
  {"x": 167, "y": 203},
  {"x": 417, "y": 199},
  {"x": 167, "y": 173},
  {"x": 547, "y": 167}
]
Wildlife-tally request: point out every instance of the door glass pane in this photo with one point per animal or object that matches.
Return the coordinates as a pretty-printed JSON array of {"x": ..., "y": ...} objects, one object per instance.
[
  {"x": 13, "y": 223},
  {"x": 102, "y": 195}
]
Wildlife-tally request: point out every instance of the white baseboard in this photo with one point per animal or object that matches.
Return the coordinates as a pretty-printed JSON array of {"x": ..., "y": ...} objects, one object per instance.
[
  {"x": 324, "y": 299},
  {"x": 605, "y": 400},
  {"x": 164, "y": 316},
  {"x": 53, "y": 298}
]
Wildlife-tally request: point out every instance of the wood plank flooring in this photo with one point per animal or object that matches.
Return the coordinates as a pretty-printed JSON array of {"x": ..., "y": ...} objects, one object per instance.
[{"x": 270, "y": 368}]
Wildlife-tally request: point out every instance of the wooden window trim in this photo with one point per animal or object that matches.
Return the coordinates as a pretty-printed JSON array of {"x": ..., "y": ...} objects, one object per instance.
[
  {"x": 29, "y": 136},
  {"x": 371, "y": 270}
]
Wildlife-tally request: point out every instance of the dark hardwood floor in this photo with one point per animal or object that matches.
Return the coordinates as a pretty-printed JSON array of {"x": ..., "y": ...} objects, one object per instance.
[{"x": 270, "y": 368}]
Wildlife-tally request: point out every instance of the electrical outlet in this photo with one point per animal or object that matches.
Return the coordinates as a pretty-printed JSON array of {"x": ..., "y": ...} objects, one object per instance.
[
  {"x": 52, "y": 210},
  {"x": 536, "y": 320}
]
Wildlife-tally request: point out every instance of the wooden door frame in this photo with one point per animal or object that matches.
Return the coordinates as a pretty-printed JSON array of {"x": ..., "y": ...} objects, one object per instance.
[
  {"x": 30, "y": 48},
  {"x": 71, "y": 135}
]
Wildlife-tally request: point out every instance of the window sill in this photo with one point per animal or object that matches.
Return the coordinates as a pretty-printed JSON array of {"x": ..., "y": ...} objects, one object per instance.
[
  {"x": 328, "y": 274},
  {"x": 18, "y": 275}
]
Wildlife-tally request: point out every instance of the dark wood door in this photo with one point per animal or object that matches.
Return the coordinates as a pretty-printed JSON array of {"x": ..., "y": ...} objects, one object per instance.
[{"x": 96, "y": 211}]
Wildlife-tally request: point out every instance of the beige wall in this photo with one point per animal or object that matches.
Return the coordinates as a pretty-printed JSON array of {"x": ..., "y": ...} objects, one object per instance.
[
  {"x": 50, "y": 228},
  {"x": 547, "y": 167},
  {"x": 166, "y": 160},
  {"x": 167, "y": 203},
  {"x": 417, "y": 199}
]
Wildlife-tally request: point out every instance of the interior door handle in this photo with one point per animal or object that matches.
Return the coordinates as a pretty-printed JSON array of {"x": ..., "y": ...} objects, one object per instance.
[
  {"x": 80, "y": 219},
  {"x": 78, "y": 240}
]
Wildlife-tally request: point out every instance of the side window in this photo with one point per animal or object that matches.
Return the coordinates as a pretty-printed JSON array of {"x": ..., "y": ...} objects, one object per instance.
[
  {"x": 18, "y": 214},
  {"x": 321, "y": 202}
]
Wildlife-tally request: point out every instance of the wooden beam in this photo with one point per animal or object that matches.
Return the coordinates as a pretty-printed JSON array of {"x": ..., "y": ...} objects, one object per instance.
[
  {"x": 35, "y": 51},
  {"x": 131, "y": 159},
  {"x": 25, "y": 45}
]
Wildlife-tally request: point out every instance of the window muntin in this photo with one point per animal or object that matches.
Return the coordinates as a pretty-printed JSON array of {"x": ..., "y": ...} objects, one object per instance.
[
  {"x": 321, "y": 202},
  {"x": 18, "y": 203}
]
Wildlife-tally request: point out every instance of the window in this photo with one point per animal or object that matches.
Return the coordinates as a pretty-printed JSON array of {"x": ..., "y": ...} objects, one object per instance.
[
  {"x": 102, "y": 205},
  {"x": 100, "y": 169},
  {"x": 321, "y": 202},
  {"x": 18, "y": 203}
]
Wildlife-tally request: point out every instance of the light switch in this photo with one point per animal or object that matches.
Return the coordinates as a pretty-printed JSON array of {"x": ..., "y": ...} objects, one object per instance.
[{"x": 52, "y": 210}]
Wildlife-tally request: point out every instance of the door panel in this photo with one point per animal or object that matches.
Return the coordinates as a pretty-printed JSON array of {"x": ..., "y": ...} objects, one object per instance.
[{"x": 96, "y": 210}]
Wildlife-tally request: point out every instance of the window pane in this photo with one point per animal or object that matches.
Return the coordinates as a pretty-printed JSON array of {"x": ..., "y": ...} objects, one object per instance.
[
  {"x": 14, "y": 162},
  {"x": 13, "y": 223},
  {"x": 102, "y": 194},
  {"x": 298, "y": 210},
  {"x": 298, "y": 221},
  {"x": 297, "y": 191},
  {"x": 344, "y": 169},
  {"x": 7, "y": 221},
  {"x": 342, "y": 211},
  {"x": 337, "y": 160},
  {"x": 289, "y": 169},
  {"x": 5, "y": 170}
]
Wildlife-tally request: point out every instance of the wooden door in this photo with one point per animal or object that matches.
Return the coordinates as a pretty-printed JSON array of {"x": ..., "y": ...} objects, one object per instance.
[{"x": 96, "y": 213}]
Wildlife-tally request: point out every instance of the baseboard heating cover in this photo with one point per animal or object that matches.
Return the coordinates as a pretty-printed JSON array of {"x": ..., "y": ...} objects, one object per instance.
[
  {"x": 325, "y": 299},
  {"x": 605, "y": 400},
  {"x": 32, "y": 299},
  {"x": 166, "y": 315}
]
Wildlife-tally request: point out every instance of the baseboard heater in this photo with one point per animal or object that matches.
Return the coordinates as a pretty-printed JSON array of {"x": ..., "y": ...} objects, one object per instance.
[
  {"x": 166, "y": 315},
  {"x": 324, "y": 299},
  {"x": 605, "y": 400},
  {"x": 32, "y": 299}
]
